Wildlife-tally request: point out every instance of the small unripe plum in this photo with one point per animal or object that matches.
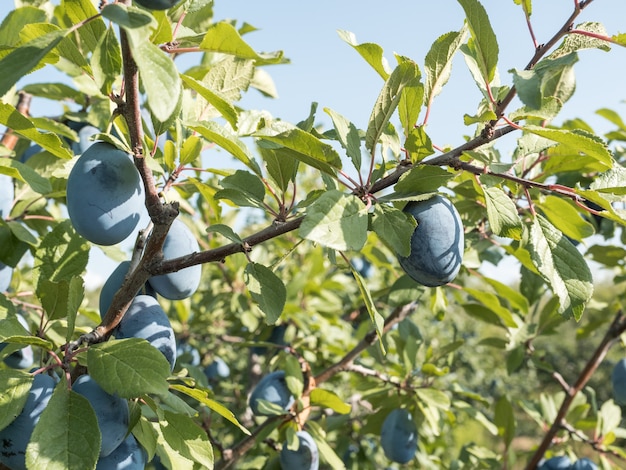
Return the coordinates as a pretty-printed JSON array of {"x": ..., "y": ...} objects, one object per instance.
[
  {"x": 15, "y": 437},
  {"x": 104, "y": 195},
  {"x": 305, "y": 458},
  {"x": 273, "y": 388},
  {"x": 22, "y": 358},
  {"x": 111, "y": 411},
  {"x": 157, "y": 4},
  {"x": 618, "y": 380},
  {"x": 398, "y": 436},
  {"x": 559, "y": 462},
  {"x": 146, "y": 319},
  {"x": 181, "y": 284},
  {"x": 218, "y": 369},
  {"x": 129, "y": 455},
  {"x": 436, "y": 244},
  {"x": 584, "y": 464}
]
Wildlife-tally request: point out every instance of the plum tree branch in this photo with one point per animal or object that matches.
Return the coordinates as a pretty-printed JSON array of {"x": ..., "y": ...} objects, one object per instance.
[{"x": 617, "y": 327}]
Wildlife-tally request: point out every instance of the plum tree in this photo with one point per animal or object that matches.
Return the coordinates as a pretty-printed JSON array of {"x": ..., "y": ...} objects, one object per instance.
[
  {"x": 104, "y": 195},
  {"x": 129, "y": 455},
  {"x": 111, "y": 411},
  {"x": 15, "y": 437},
  {"x": 182, "y": 284},
  {"x": 272, "y": 388},
  {"x": 146, "y": 319},
  {"x": 305, "y": 457},
  {"x": 437, "y": 244},
  {"x": 217, "y": 370},
  {"x": 22, "y": 358},
  {"x": 618, "y": 382},
  {"x": 398, "y": 436},
  {"x": 157, "y": 4},
  {"x": 558, "y": 462}
]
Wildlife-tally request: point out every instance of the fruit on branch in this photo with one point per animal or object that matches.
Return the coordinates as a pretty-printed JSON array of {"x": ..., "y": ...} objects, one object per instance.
[
  {"x": 157, "y": 4},
  {"x": 218, "y": 369},
  {"x": 306, "y": 457},
  {"x": 584, "y": 464},
  {"x": 146, "y": 319},
  {"x": 85, "y": 131},
  {"x": 559, "y": 462},
  {"x": 187, "y": 354},
  {"x": 398, "y": 436},
  {"x": 277, "y": 336},
  {"x": 22, "y": 358},
  {"x": 104, "y": 195},
  {"x": 181, "y": 284},
  {"x": 436, "y": 244},
  {"x": 111, "y": 411},
  {"x": 618, "y": 381},
  {"x": 113, "y": 284},
  {"x": 129, "y": 455},
  {"x": 272, "y": 388},
  {"x": 14, "y": 438}
]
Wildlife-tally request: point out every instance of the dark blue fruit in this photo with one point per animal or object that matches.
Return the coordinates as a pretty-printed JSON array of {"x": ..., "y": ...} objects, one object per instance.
[
  {"x": 305, "y": 458},
  {"x": 398, "y": 436},
  {"x": 272, "y": 388},
  {"x": 22, "y": 358},
  {"x": 146, "y": 319},
  {"x": 14, "y": 438},
  {"x": 104, "y": 195},
  {"x": 618, "y": 380},
  {"x": 111, "y": 411},
  {"x": 187, "y": 354},
  {"x": 560, "y": 462},
  {"x": 157, "y": 4},
  {"x": 436, "y": 244},
  {"x": 129, "y": 455},
  {"x": 584, "y": 464},
  {"x": 181, "y": 284},
  {"x": 218, "y": 369}
]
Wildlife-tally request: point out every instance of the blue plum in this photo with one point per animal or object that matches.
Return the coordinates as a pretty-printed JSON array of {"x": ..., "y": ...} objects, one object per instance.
[
  {"x": 436, "y": 244},
  {"x": 157, "y": 4},
  {"x": 273, "y": 388},
  {"x": 22, "y": 358},
  {"x": 618, "y": 381},
  {"x": 218, "y": 369},
  {"x": 306, "y": 457},
  {"x": 104, "y": 195},
  {"x": 187, "y": 354},
  {"x": 112, "y": 412},
  {"x": 559, "y": 462},
  {"x": 584, "y": 464},
  {"x": 146, "y": 319},
  {"x": 84, "y": 135},
  {"x": 129, "y": 455},
  {"x": 181, "y": 284},
  {"x": 398, "y": 436},
  {"x": 277, "y": 336},
  {"x": 14, "y": 438}
]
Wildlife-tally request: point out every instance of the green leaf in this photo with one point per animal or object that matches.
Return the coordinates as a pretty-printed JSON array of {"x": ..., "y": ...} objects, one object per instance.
[
  {"x": 577, "y": 143},
  {"x": 293, "y": 375},
  {"x": 280, "y": 166},
  {"x": 411, "y": 100},
  {"x": 184, "y": 435},
  {"x": 202, "y": 396},
  {"x": 326, "y": 451},
  {"x": 20, "y": 124},
  {"x": 90, "y": 32},
  {"x": 328, "y": 399},
  {"x": 565, "y": 217},
  {"x": 438, "y": 63},
  {"x": 483, "y": 44},
  {"x": 337, "y": 221},
  {"x": 128, "y": 16},
  {"x": 26, "y": 174},
  {"x": 243, "y": 188},
  {"x": 504, "y": 418},
  {"x": 394, "y": 227},
  {"x": 376, "y": 318},
  {"x": 61, "y": 299},
  {"x": 432, "y": 397},
  {"x": 129, "y": 367},
  {"x": 575, "y": 42},
  {"x": 422, "y": 179},
  {"x": 562, "y": 266},
  {"x": 493, "y": 304},
  {"x": 226, "y": 231},
  {"x": 192, "y": 147},
  {"x": 267, "y": 290},
  {"x": 106, "y": 61},
  {"x": 227, "y": 140},
  {"x": 502, "y": 214},
  {"x": 348, "y": 136},
  {"x": 215, "y": 98},
  {"x": 406, "y": 74},
  {"x": 223, "y": 37},
  {"x": 372, "y": 53},
  {"x": 16, "y": 20},
  {"x": 612, "y": 181},
  {"x": 67, "y": 433},
  {"x": 418, "y": 144},
  {"x": 15, "y": 385}
]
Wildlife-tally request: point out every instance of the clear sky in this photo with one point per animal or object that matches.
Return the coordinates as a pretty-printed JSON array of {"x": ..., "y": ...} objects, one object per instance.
[{"x": 326, "y": 70}]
